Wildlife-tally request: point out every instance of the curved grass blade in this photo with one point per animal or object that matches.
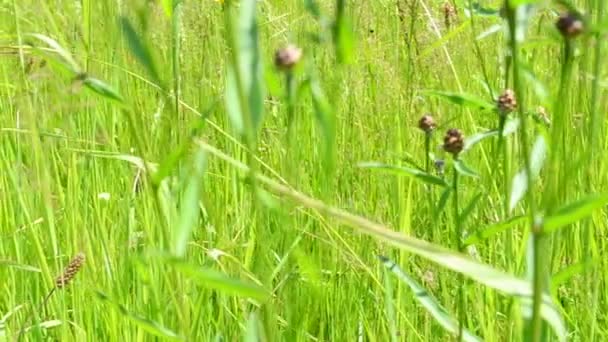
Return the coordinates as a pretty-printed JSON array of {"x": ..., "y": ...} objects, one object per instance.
[
  {"x": 216, "y": 280},
  {"x": 436, "y": 310},
  {"x": 103, "y": 89},
  {"x": 463, "y": 99},
  {"x": 146, "y": 324},
  {"x": 574, "y": 212},
  {"x": 476, "y": 138},
  {"x": 519, "y": 185},
  {"x": 464, "y": 170},
  {"x": 61, "y": 51},
  {"x": 443, "y": 200},
  {"x": 326, "y": 120},
  {"x": 565, "y": 274},
  {"x": 189, "y": 209},
  {"x": 491, "y": 230},
  {"x": 9, "y": 263},
  {"x": 140, "y": 50},
  {"x": 400, "y": 170},
  {"x": 250, "y": 66}
]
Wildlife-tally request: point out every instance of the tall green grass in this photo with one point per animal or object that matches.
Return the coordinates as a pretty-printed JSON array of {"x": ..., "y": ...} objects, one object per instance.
[{"x": 218, "y": 197}]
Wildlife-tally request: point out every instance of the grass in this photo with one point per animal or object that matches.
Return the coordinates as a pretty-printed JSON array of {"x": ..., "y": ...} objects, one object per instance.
[{"x": 313, "y": 211}]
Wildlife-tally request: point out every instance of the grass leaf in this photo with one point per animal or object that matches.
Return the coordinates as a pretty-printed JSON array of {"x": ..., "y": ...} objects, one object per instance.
[
  {"x": 463, "y": 99},
  {"x": 476, "y": 138},
  {"x": 140, "y": 50},
  {"x": 103, "y": 89},
  {"x": 493, "y": 229},
  {"x": 464, "y": 170},
  {"x": 189, "y": 205},
  {"x": 326, "y": 120},
  {"x": 216, "y": 280},
  {"x": 146, "y": 324},
  {"x": 250, "y": 61},
  {"x": 400, "y": 170},
  {"x": 574, "y": 212},
  {"x": 437, "y": 311}
]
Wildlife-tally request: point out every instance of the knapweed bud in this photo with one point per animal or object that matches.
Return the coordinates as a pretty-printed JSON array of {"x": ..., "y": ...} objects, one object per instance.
[
  {"x": 570, "y": 25},
  {"x": 453, "y": 142},
  {"x": 506, "y": 102},
  {"x": 427, "y": 123},
  {"x": 287, "y": 57}
]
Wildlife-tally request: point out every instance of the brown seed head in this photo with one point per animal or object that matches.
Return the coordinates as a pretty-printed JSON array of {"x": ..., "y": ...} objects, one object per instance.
[
  {"x": 449, "y": 13},
  {"x": 427, "y": 123},
  {"x": 453, "y": 142},
  {"x": 570, "y": 25},
  {"x": 70, "y": 271},
  {"x": 506, "y": 102},
  {"x": 287, "y": 57}
]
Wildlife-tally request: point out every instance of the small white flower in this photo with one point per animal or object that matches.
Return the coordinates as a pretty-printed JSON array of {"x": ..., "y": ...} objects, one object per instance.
[
  {"x": 215, "y": 254},
  {"x": 104, "y": 196}
]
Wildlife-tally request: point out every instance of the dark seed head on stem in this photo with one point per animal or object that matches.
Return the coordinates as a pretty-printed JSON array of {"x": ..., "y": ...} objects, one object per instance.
[
  {"x": 506, "y": 102},
  {"x": 427, "y": 123},
  {"x": 570, "y": 25},
  {"x": 70, "y": 271},
  {"x": 453, "y": 142},
  {"x": 287, "y": 57}
]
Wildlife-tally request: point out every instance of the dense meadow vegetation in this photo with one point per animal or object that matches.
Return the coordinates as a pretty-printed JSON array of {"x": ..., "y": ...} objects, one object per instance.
[{"x": 387, "y": 170}]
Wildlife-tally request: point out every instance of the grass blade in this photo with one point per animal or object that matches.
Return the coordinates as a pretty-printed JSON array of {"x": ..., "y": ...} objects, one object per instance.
[
  {"x": 463, "y": 99},
  {"x": 103, "y": 89},
  {"x": 427, "y": 301},
  {"x": 189, "y": 205},
  {"x": 140, "y": 50},
  {"x": 574, "y": 212},
  {"x": 146, "y": 324},
  {"x": 491, "y": 230},
  {"x": 216, "y": 280},
  {"x": 400, "y": 170}
]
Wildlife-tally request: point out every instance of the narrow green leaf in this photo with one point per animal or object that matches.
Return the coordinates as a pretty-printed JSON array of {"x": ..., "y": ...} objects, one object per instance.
[
  {"x": 13, "y": 264},
  {"x": 476, "y": 138},
  {"x": 390, "y": 306},
  {"x": 343, "y": 34},
  {"x": 463, "y": 99},
  {"x": 233, "y": 107},
  {"x": 250, "y": 61},
  {"x": 443, "y": 200},
  {"x": 189, "y": 205},
  {"x": 469, "y": 208},
  {"x": 493, "y": 229},
  {"x": 519, "y": 185},
  {"x": 140, "y": 50},
  {"x": 464, "y": 170},
  {"x": 400, "y": 170},
  {"x": 213, "y": 279},
  {"x": 168, "y": 165},
  {"x": 437, "y": 311},
  {"x": 538, "y": 156},
  {"x": 574, "y": 212},
  {"x": 313, "y": 8},
  {"x": 489, "y": 31},
  {"x": 326, "y": 120},
  {"x": 61, "y": 51},
  {"x": 565, "y": 274},
  {"x": 146, "y": 324},
  {"x": 103, "y": 89}
]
